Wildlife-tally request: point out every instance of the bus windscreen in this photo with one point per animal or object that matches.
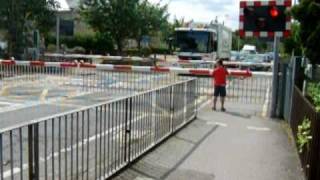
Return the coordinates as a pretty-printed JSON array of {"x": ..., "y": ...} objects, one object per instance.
[{"x": 193, "y": 41}]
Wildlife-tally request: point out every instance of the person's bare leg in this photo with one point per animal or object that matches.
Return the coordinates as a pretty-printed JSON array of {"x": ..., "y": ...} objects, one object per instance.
[
  {"x": 215, "y": 99},
  {"x": 222, "y": 103}
]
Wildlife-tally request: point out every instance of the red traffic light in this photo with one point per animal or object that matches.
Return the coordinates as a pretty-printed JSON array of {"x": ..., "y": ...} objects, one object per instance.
[{"x": 274, "y": 12}]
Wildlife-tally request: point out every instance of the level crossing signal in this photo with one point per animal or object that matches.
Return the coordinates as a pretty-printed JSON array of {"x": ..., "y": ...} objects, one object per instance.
[{"x": 265, "y": 18}]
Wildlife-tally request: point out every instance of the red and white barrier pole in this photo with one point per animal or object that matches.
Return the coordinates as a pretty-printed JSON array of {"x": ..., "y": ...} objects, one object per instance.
[{"x": 129, "y": 68}]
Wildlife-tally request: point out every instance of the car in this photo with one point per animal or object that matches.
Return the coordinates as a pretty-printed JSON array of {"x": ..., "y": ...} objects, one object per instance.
[
  {"x": 235, "y": 56},
  {"x": 249, "y": 49},
  {"x": 264, "y": 57},
  {"x": 270, "y": 56},
  {"x": 254, "y": 62}
]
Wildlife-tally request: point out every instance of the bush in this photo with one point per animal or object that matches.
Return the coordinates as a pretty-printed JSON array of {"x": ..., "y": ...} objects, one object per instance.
[
  {"x": 77, "y": 50},
  {"x": 144, "y": 52},
  {"x": 160, "y": 51},
  {"x": 92, "y": 43},
  {"x": 51, "y": 48},
  {"x": 314, "y": 93},
  {"x": 304, "y": 135}
]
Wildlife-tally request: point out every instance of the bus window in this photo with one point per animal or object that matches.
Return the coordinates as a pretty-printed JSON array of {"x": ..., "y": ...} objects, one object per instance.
[{"x": 192, "y": 41}]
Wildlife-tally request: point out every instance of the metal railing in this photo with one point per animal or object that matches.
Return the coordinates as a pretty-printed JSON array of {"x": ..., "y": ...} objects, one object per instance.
[
  {"x": 256, "y": 89},
  {"x": 70, "y": 77},
  {"x": 249, "y": 88},
  {"x": 96, "y": 141}
]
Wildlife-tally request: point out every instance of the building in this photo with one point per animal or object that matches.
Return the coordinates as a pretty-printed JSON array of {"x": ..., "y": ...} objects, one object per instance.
[{"x": 70, "y": 20}]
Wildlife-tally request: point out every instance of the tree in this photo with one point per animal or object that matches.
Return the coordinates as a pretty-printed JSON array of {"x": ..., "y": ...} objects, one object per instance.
[
  {"x": 150, "y": 19},
  {"x": 307, "y": 12},
  {"x": 18, "y": 18},
  {"x": 293, "y": 43},
  {"x": 240, "y": 42},
  {"x": 116, "y": 17},
  {"x": 124, "y": 19}
]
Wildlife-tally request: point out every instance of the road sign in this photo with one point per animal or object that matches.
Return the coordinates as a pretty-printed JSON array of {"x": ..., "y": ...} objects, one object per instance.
[{"x": 265, "y": 18}]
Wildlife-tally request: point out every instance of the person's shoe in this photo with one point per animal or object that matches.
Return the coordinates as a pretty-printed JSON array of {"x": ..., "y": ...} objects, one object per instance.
[
  {"x": 223, "y": 109},
  {"x": 214, "y": 109}
]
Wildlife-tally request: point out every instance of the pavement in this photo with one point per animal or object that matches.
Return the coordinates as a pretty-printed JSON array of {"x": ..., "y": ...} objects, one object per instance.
[{"x": 236, "y": 145}]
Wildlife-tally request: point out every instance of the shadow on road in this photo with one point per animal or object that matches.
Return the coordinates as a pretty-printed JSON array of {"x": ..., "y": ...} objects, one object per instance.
[{"x": 163, "y": 163}]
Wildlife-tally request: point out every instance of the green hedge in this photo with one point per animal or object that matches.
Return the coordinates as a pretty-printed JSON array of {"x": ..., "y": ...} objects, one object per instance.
[
  {"x": 144, "y": 52},
  {"x": 92, "y": 43},
  {"x": 100, "y": 44},
  {"x": 161, "y": 51}
]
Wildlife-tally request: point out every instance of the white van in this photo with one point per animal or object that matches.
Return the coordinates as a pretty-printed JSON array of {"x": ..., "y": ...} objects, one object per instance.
[{"x": 249, "y": 49}]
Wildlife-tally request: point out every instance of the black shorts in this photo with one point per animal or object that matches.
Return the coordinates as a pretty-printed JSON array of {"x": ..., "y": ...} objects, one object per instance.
[{"x": 220, "y": 91}]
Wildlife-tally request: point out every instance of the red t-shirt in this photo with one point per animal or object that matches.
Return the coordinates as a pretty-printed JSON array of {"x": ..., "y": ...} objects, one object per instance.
[{"x": 220, "y": 76}]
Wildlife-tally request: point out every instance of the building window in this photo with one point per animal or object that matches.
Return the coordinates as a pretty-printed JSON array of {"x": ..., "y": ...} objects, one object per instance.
[{"x": 66, "y": 27}]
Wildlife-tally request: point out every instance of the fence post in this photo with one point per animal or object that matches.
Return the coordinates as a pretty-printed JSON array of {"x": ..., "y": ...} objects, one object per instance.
[
  {"x": 185, "y": 110},
  {"x": 33, "y": 151},
  {"x": 128, "y": 118},
  {"x": 130, "y": 125},
  {"x": 36, "y": 151},
  {"x": 30, "y": 152},
  {"x": 292, "y": 82},
  {"x": 196, "y": 96},
  {"x": 1, "y": 158},
  {"x": 171, "y": 107}
]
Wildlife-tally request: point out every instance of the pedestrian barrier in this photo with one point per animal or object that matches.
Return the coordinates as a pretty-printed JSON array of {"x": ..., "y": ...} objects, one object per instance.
[{"x": 95, "y": 142}]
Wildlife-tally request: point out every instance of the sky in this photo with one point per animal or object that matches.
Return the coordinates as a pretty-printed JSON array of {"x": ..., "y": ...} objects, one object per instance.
[{"x": 204, "y": 11}]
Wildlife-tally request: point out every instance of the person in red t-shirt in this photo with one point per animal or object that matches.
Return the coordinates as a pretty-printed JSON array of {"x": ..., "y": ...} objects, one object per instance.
[{"x": 219, "y": 75}]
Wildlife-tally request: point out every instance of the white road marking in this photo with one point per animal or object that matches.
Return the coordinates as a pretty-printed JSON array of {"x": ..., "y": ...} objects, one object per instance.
[
  {"x": 258, "y": 128},
  {"x": 266, "y": 103},
  {"x": 199, "y": 100},
  {"x": 16, "y": 170},
  {"x": 143, "y": 178},
  {"x": 8, "y": 103},
  {"x": 218, "y": 124}
]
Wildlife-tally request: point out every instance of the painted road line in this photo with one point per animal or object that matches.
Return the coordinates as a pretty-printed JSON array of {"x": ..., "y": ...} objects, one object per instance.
[
  {"x": 143, "y": 178},
  {"x": 31, "y": 103},
  {"x": 218, "y": 124},
  {"x": 8, "y": 103},
  {"x": 258, "y": 128},
  {"x": 199, "y": 100},
  {"x": 266, "y": 103}
]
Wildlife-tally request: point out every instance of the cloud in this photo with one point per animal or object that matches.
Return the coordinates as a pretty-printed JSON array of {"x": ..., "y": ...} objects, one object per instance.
[{"x": 204, "y": 10}]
